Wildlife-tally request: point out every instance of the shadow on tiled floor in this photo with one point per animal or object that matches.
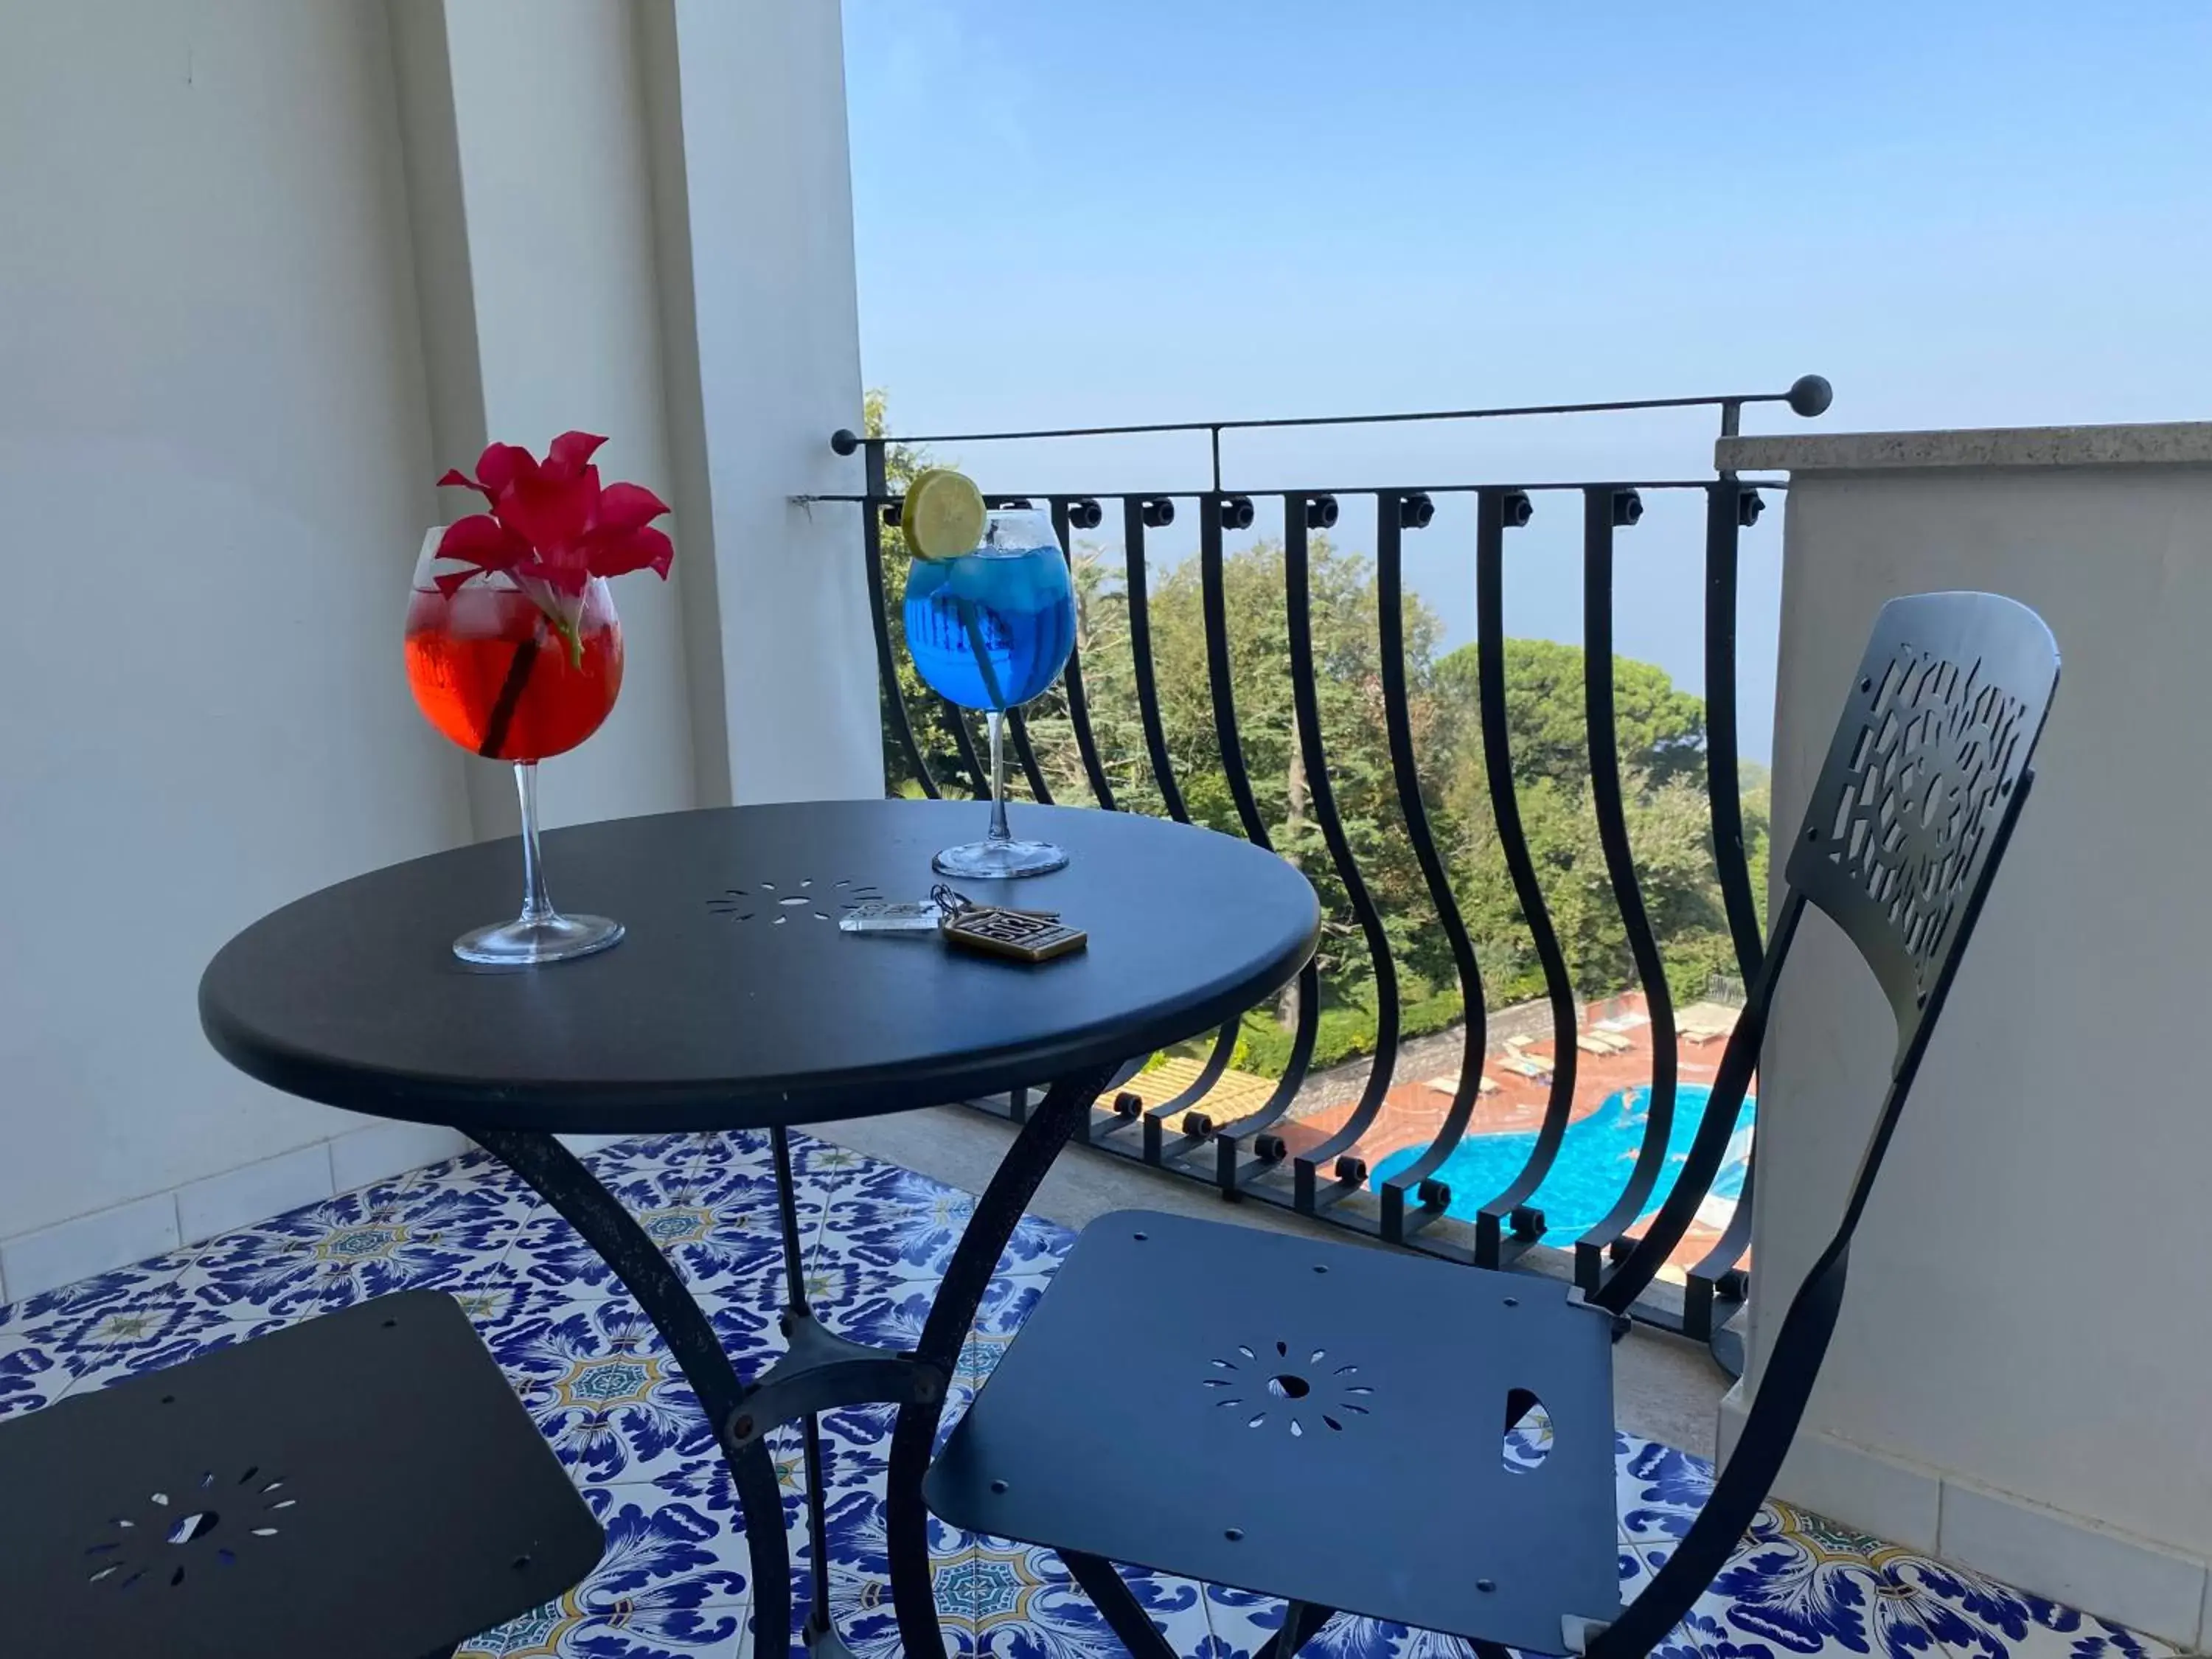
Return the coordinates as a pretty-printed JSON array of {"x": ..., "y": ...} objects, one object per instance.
[{"x": 594, "y": 1375}]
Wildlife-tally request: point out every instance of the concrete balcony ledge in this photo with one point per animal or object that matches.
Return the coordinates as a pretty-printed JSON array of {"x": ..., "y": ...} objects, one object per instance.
[{"x": 2164, "y": 443}]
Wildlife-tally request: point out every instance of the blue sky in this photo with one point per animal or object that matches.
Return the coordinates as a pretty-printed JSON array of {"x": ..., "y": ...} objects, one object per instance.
[{"x": 1093, "y": 211}]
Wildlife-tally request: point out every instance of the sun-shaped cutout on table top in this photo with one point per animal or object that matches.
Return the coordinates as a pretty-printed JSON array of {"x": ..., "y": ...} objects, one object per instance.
[
  {"x": 1274, "y": 1386},
  {"x": 777, "y": 903},
  {"x": 123, "y": 1561}
]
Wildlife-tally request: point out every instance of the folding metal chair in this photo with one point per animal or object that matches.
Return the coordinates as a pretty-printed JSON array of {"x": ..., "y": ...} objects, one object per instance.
[{"x": 1328, "y": 1423}]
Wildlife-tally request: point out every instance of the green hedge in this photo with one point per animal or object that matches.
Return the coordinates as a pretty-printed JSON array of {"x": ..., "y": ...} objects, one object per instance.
[{"x": 1346, "y": 1032}]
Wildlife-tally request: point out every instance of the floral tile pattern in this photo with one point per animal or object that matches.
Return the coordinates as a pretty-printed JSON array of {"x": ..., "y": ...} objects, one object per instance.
[{"x": 674, "y": 1582}]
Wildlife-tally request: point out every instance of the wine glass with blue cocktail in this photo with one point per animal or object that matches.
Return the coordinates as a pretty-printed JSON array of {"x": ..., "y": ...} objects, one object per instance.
[{"x": 990, "y": 619}]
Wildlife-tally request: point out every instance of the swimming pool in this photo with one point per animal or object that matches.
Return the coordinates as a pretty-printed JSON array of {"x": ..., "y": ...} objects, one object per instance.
[{"x": 1594, "y": 1159}]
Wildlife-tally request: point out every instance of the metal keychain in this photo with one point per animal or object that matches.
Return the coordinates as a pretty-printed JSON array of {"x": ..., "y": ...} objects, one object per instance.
[{"x": 919, "y": 916}]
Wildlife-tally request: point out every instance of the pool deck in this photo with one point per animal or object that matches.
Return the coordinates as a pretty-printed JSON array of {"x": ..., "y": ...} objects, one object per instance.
[{"x": 1413, "y": 1111}]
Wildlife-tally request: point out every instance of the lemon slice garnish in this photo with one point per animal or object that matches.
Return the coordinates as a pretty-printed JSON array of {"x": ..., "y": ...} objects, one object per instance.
[{"x": 943, "y": 515}]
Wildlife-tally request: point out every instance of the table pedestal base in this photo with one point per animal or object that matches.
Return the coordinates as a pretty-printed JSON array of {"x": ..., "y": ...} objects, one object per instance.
[{"x": 819, "y": 1371}]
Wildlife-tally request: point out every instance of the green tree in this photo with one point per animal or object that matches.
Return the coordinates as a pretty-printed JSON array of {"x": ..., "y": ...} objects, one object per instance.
[{"x": 1660, "y": 731}]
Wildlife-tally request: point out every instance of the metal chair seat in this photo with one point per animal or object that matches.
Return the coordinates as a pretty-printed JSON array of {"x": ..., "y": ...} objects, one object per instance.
[
  {"x": 1332, "y": 1427},
  {"x": 364, "y": 1485}
]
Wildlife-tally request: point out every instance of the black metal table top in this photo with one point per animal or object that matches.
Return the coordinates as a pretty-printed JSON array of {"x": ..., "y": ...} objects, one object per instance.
[{"x": 735, "y": 1001}]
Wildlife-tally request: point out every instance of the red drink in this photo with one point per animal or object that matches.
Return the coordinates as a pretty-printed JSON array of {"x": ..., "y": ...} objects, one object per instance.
[{"x": 494, "y": 675}]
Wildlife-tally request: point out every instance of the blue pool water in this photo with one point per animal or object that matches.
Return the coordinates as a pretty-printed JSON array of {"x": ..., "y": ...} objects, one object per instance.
[
  {"x": 1594, "y": 1159},
  {"x": 990, "y": 629}
]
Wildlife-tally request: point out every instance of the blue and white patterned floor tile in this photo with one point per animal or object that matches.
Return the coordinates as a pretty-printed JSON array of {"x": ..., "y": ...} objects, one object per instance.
[
  {"x": 426, "y": 1234},
  {"x": 657, "y": 1591},
  {"x": 674, "y": 1582},
  {"x": 883, "y": 1217}
]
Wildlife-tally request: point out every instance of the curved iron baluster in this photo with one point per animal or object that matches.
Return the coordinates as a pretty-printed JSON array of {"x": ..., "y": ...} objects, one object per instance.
[
  {"x": 1230, "y": 1171},
  {"x": 1492, "y": 509},
  {"x": 1705, "y": 1280},
  {"x": 1728, "y": 506},
  {"x": 1156, "y": 1148},
  {"x": 1019, "y": 729},
  {"x": 1306, "y": 702},
  {"x": 886, "y": 664},
  {"x": 1702, "y": 1161},
  {"x": 1214, "y": 603},
  {"x": 1725, "y": 503},
  {"x": 1141, "y": 650},
  {"x": 956, "y": 718},
  {"x": 1078, "y": 706},
  {"x": 1603, "y": 507},
  {"x": 1389, "y": 532}
]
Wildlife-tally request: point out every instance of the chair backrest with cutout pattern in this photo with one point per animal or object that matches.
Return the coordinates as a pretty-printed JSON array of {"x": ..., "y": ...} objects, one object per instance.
[{"x": 1933, "y": 743}]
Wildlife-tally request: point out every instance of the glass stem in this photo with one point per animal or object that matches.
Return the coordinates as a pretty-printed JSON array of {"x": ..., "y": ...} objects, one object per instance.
[
  {"x": 998, "y": 830},
  {"x": 535, "y": 905}
]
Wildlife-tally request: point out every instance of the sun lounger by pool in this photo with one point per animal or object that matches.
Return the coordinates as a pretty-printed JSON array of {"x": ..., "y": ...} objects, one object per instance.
[{"x": 1450, "y": 1086}]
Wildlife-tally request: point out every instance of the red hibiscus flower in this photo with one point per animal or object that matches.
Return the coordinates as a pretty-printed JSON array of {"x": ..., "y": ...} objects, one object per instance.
[{"x": 553, "y": 526}]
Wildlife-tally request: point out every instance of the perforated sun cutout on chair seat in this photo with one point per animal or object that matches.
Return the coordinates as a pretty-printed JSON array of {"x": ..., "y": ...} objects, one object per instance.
[
  {"x": 363, "y": 1486},
  {"x": 1274, "y": 1424}
]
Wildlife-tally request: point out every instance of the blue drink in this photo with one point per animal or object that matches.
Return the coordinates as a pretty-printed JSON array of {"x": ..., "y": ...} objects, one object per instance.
[{"x": 991, "y": 628}]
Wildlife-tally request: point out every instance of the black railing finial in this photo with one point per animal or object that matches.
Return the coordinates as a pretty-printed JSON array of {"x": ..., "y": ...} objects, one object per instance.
[
  {"x": 1810, "y": 395},
  {"x": 844, "y": 440}
]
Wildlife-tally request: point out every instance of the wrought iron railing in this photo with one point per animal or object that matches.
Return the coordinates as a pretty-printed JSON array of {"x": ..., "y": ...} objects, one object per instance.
[{"x": 1250, "y": 1156}]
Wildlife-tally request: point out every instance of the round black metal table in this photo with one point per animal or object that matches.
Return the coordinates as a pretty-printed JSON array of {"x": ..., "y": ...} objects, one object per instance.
[{"x": 736, "y": 1002}]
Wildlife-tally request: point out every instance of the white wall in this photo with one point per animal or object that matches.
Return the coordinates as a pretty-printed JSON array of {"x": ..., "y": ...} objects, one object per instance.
[
  {"x": 268, "y": 267},
  {"x": 2020, "y": 1380},
  {"x": 212, "y": 444}
]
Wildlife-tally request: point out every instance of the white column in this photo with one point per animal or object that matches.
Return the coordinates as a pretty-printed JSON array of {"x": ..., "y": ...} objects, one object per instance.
[
  {"x": 532, "y": 201},
  {"x": 637, "y": 219},
  {"x": 754, "y": 207}
]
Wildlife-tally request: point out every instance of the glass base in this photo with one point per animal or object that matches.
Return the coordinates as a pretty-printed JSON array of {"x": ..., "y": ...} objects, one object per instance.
[
  {"x": 521, "y": 944},
  {"x": 996, "y": 860}
]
